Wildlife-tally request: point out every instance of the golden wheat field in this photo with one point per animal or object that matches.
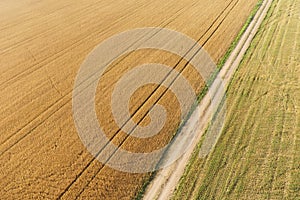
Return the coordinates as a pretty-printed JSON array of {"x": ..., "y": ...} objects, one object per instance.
[{"x": 44, "y": 43}]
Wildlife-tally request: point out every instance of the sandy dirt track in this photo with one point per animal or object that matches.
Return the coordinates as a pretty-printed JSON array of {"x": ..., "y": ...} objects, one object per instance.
[{"x": 43, "y": 43}]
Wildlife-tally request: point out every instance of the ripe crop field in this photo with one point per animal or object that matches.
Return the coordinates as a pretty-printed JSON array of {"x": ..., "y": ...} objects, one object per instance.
[
  {"x": 257, "y": 155},
  {"x": 43, "y": 44}
]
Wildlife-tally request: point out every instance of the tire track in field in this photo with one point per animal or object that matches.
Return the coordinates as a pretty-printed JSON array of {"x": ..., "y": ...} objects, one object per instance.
[
  {"x": 61, "y": 101},
  {"x": 47, "y": 108},
  {"x": 71, "y": 90},
  {"x": 94, "y": 159},
  {"x": 48, "y": 117}
]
